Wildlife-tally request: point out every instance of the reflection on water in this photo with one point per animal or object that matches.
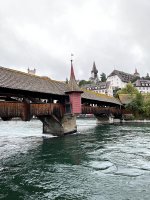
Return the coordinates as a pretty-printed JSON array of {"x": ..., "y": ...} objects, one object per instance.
[{"x": 98, "y": 162}]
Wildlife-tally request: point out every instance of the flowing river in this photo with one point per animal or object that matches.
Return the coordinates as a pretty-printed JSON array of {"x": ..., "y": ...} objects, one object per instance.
[{"x": 100, "y": 162}]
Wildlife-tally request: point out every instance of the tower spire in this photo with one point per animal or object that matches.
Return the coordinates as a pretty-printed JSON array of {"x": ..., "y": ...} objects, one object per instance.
[
  {"x": 72, "y": 85},
  {"x": 74, "y": 92},
  {"x": 136, "y": 73},
  {"x": 72, "y": 76},
  {"x": 94, "y": 73}
]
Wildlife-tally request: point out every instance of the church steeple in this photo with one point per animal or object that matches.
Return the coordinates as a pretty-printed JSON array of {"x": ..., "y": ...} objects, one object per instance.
[
  {"x": 94, "y": 73},
  {"x": 136, "y": 73},
  {"x": 147, "y": 75},
  {"x": 94, "y": 70}
]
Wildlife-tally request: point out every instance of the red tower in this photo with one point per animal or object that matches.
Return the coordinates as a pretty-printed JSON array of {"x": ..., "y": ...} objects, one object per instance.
[{"x": 74, "y": 93}]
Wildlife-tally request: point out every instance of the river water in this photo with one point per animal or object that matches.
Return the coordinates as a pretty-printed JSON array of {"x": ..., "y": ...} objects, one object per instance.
[{"x": 100, "y": 162}]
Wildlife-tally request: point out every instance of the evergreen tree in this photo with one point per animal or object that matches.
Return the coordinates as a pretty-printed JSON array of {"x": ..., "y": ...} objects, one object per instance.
[
  {"x": 103, "y": 77},
  {"x": 135, "y": 79}
]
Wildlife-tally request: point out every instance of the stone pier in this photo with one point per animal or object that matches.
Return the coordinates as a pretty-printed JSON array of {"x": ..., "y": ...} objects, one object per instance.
[
  {"x": 59, "y": 127},
  {"x": 107, "y": 119}
]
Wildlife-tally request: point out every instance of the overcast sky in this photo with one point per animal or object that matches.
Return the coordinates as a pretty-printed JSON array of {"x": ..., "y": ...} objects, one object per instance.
[{"x": 42, "y": 34}]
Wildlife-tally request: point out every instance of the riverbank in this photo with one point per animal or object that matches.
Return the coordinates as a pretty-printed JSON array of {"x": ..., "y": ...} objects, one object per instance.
[{"x": 136, "y": 121}]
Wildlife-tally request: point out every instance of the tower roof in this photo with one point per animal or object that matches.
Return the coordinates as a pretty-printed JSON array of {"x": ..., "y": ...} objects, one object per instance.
[
  {"x": 72, "y": 85},
  {"x": 136, "y": 72},
  {"x": 94, "y": 70}
]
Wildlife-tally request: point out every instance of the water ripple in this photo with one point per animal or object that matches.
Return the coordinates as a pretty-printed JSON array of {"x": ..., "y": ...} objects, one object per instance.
[{"x": 99, "y": 162}]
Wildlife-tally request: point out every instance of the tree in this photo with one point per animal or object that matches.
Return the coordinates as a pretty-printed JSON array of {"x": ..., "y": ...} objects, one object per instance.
[
  {"x": 139, "y": 105},
  {"x": 129, "y": 89},
  {"x": 136, "y": 106},
  {"x": 146, "y": 106},
  {"x": 84, "y": 82},
  {"x": 103, "y": 77},
  {"x": 135, "y": 79}
]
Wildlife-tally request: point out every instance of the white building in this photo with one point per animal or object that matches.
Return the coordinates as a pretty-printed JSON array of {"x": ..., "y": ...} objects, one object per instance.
[
  {"x": 142, "y": 85},
  {"x": 31, "y": 71},
  {"x": 100, "y": 87},
  {"x": 116, "y": 80},
  {"x": 119, "y": 79}
]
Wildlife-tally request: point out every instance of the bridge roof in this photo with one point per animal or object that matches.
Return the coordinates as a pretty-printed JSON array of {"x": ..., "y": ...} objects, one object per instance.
[
  {"x": 91, "y": 95},
  {"x": 13, "y": 79}
]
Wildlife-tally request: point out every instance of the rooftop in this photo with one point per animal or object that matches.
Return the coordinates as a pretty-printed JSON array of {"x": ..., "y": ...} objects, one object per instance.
[
  {"x": 142, "y": 82},
  {"x": 14, "y": 79},
  {"x": 125, "y": 77}
]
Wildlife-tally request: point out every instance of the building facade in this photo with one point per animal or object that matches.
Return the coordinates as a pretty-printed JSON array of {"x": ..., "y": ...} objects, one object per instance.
[
  {"x": 143, "y": 85},
  {"x": 119, "y": 79},
  {"x": 31, "y": 71},
  {"x": 100, "y": 87}
]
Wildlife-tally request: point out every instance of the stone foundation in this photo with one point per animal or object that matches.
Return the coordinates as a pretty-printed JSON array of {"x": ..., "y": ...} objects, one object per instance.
[
  {"x": 107, "y": 119},
  {"x": 59, "y": 127}
]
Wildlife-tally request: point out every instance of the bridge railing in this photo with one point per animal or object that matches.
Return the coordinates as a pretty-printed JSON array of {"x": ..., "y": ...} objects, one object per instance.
[
  {"x": 25, "y": 111},
  {"x": 11, "y": 109},
  {"x": 40, "y": 109},
  {"x": 96, "y": 110}
]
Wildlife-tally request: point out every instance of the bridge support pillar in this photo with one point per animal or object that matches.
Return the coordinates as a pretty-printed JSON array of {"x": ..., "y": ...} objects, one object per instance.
[
  {"x": 59, "y": 127},
  {"x": 117, "y": 120},
  {"x": 105, "y": 119}
]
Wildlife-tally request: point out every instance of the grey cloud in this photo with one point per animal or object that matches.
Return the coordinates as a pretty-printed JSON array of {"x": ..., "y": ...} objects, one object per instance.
[{"x": 43, "y": 34}]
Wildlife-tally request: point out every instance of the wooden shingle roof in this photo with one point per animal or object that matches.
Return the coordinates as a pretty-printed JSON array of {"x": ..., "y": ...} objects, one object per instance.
[
  {"x": 91, "y": 95},
  {"x": 126, "y": 98},
  {"x": 13, "y": 79}
]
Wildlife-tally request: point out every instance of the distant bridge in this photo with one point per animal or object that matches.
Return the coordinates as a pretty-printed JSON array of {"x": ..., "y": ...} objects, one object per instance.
[{"x": 55, "y": 103}]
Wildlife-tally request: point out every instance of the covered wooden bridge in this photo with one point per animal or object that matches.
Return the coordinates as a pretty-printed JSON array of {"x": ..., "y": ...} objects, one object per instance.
[{"x": 55, "y": 103}]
